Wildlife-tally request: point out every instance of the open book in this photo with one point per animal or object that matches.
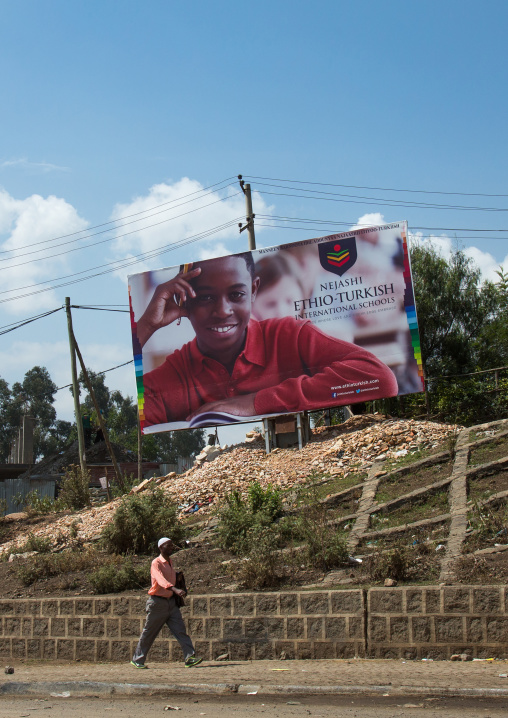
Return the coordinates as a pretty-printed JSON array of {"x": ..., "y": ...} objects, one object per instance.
[{"x": 211, "y": 418}]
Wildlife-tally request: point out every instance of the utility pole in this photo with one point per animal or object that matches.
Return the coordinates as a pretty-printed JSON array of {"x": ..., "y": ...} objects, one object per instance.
[
  {"x": 75, "y": 389},
  {"x": 249, "y": 226},
  {"x": 118, "y": 472},
  {"x": 140, "y": 451}
]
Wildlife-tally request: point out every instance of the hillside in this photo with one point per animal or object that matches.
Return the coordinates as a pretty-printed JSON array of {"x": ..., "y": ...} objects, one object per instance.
[{"x": 386, "y": 483}]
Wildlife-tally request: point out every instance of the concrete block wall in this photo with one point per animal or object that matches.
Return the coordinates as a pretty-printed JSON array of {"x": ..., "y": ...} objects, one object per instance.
[
  {"x": 325, "y": 624},
  {"x": 436, "y": 622},
  {"x": 407, "y": 622}
]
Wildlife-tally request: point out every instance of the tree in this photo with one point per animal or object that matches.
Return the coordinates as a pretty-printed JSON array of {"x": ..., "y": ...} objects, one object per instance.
[
  {"x": 121, "y": 416},
  {"x": 454, "y": 309},
  {"x": 34, "y": 396}
]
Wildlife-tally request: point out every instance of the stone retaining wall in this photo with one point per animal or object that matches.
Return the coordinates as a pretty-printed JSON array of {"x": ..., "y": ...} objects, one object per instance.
[{"x": 413, "y": 622}]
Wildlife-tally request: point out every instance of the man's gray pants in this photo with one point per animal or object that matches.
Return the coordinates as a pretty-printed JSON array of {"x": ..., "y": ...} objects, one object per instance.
[{"x": 162, "y": 611}]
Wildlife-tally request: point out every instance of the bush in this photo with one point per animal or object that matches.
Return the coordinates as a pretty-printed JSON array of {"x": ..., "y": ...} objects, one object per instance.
[
  {"x": 261, "y": 568},
  {"x": 36, "y": 543},
  {"x": 240, "y": 519},
  {"x": 113, "y": 579},
  {"x": 140, "y": 520},
  {"x": 325, "y": 545},
  {"x": 48, "y": 565},
  {"x": 404, "y": 562},
  {"x": 75, "y": 488}
]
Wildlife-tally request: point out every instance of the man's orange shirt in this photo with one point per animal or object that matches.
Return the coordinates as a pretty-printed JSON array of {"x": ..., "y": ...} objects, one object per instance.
[{"x": 163, "y": 577}]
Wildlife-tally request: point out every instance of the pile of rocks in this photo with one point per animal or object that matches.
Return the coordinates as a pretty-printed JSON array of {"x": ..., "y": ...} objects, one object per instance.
[{"x": 335, "y": 451}]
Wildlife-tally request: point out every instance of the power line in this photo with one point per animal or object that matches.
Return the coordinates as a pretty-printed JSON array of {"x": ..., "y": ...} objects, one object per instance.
[
  {"x": 377, "y": 201},
  {"x": 139, "y": 257},
  {"x": 120, "y": 219},
  {"x": 105, "y": 371},
  {"x": 381, "y": 189},
  {"x": 325, "y": 226},
  {"x": 99, "y": 309},
  {"x": 354, "y": 223},
  {"x": 130, "y": 261},
  {"x": 109, "y": 239},
  {"x": 23, "y": 322}
]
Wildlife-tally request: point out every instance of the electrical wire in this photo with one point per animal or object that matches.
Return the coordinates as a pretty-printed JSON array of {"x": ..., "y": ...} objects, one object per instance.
[
  {"x": 99, "y": 309},
  {"x": 381, "y": 203},
  {"x": 381, "y": 189},
  {"x": 325, "y": 227},
  {"x": 109, "y": 239},
  {"x": 144, "y": 255},
  {"x": 128, "y": 216},
  {"x": 350, "y": 224},
  {"x": 131, "y": 261},
  {"x": 23, "y": 322},
  {"x": 105, "y": 371}
]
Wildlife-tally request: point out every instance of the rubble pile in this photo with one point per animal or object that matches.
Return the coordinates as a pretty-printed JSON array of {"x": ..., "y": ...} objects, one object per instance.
[{"x": 336, "y": 451}]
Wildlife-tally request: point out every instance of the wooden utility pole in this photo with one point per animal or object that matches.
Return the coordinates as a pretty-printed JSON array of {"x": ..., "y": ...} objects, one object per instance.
[
  {"x": 75, "y": 389},
  {"x": 118, "y": 472},
  {"x": 249, "y": 226}
]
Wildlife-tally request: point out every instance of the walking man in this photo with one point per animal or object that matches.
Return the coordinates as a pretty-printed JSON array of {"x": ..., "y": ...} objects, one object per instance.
[{"x": 161, "y": 609}]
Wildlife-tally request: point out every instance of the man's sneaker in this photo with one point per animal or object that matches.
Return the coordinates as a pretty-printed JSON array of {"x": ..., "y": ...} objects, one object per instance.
[
  {"x": 192, "y": 661},
  {"x": 138, "y": 665}
]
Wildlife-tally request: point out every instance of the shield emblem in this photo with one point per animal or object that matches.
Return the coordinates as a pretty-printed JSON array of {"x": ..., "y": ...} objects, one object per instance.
[{"x": 339, "y": 255}]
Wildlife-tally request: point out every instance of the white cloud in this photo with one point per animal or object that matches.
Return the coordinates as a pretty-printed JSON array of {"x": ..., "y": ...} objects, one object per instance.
[
  {"x": 218, "y": 250},
  {"x": 371, "y": 219},
  {"x": 24, "y": 164},
  {"x": 170, "y": 213},
  {"x": 445, "y": 245},
  {"x": 26, "y": 252}
]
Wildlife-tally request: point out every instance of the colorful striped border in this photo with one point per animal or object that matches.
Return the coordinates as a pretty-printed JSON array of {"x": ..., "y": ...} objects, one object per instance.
[
  {"x": 138, "y": 366},
  {"x": 409, "y": 306}
]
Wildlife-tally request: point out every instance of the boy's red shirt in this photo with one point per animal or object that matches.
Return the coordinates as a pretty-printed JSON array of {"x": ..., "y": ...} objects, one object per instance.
[{"x": 289, "y": 364}]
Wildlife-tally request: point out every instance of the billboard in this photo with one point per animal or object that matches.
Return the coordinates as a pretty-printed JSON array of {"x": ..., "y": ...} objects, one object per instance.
[{"x": 303, "y": 326}]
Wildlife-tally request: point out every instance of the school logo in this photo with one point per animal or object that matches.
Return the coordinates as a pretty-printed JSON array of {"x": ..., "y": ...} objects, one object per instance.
[{"x": 338, "y": 256}]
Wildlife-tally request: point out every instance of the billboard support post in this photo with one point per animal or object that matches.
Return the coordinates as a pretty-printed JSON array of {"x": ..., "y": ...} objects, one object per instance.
[{"x": 75, "y": 389}]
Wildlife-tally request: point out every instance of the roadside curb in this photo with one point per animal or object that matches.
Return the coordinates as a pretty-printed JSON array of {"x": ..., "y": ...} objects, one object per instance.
[{"x": 90, "y": 689}]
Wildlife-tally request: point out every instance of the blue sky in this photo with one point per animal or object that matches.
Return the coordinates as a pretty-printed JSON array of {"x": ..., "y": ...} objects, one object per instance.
[{"x": 107, "y": 106}]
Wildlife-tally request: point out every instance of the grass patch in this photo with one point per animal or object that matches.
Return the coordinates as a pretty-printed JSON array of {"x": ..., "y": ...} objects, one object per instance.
[
  {"x": 426, "y": 507},
  {"x": 422, "y": 453},
  {"x": 393, "y": 487},
  {"x": 481, "y": 487},
  {"x": 44, "y": 566},
  {"x": 489, "y": 525},
  {"x": 404, "y": 563},
  {"x": 114, "y": 577},
  {"x": 492, "y": 451}
]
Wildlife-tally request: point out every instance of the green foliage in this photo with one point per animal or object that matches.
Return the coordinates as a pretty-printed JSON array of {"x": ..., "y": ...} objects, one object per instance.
[
  {"x": 35, "y": 543},
  {"x": 261, "y": 568},
  {"x": 47, "y": 565},
  {"x": 453, "y": 309},
  {"x": 140, "y": 520},
  {"x": 112, "y": 578},
  {"x": 240, "y": 518},
  {"x": 36, "y": 505},
  {"x": 75, "y": 488}
]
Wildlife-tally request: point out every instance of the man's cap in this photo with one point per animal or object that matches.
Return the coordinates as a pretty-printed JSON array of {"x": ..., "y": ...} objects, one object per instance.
[{"x": 163, "y": 540}]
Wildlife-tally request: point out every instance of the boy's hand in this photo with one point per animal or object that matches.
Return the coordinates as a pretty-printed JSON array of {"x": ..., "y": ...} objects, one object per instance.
[
  {"x": 179, "y": 592},
  {"x": 166, "y": 305},
  {"x": 238, "y": 406}
]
